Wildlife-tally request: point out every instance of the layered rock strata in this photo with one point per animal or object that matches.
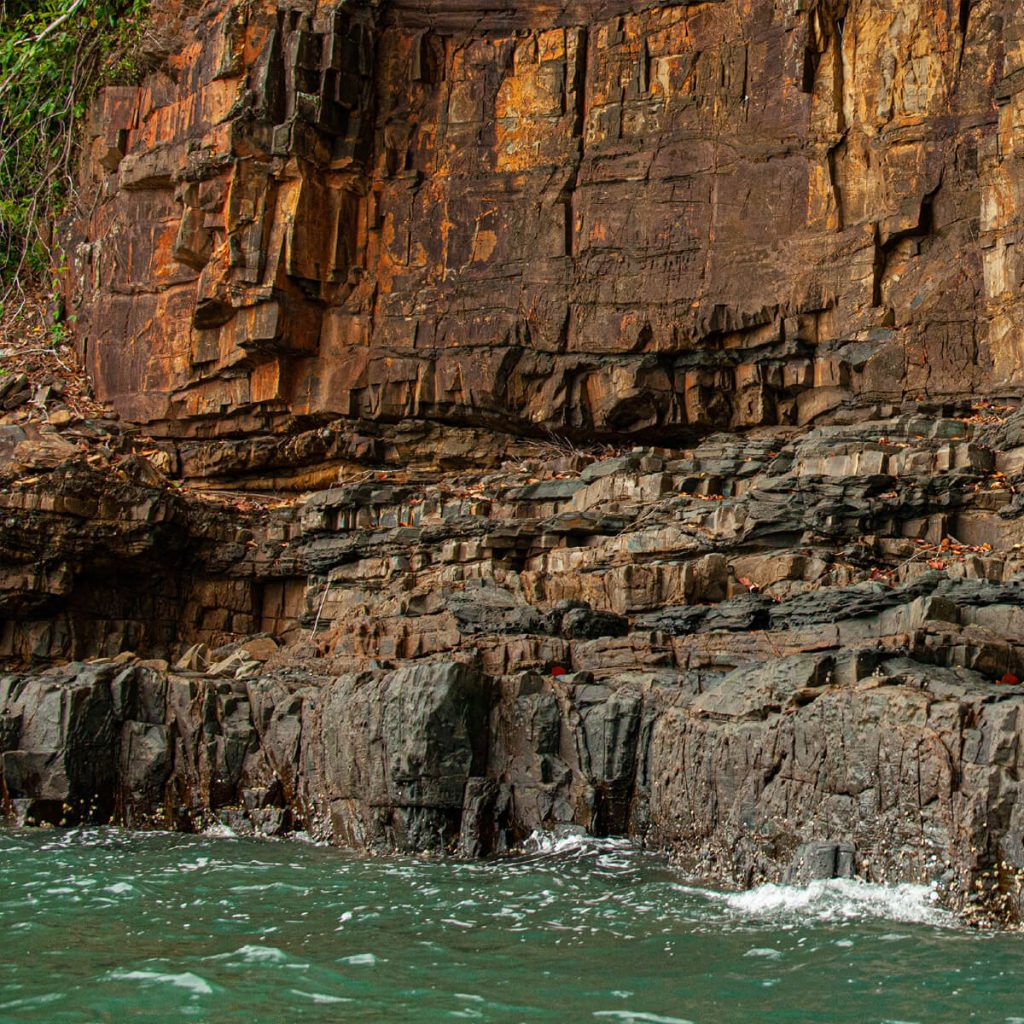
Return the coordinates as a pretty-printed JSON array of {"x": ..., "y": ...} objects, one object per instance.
[
  {"x": 773, "y": 655},
  {"x": 542, "y": 415},
  {"x": 648, "y": 218}
]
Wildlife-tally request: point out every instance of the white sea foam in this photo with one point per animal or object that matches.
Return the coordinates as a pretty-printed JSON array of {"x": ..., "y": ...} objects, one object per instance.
[
  {"x": 262, "y": 954},
  {"x": 40, "y": 1000},
  {"x": 319, "y": 997},
  {"x": 636, "y": 1017},
  {"x": 305, "y": 837},
  {"x": 360, "y": 960},
  {"x": 218, "y": 830},
  {"x": 572, "y": 841},
  {"x": 187, "y": 980},
  {"x": 838, "y": 900},
  {"x": 198, "y": 864}
]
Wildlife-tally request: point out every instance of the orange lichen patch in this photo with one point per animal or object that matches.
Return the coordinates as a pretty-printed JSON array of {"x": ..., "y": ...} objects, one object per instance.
[
  {"x": 208, "y": 106},
  {"x": 551, "y": 45},
  {"x": 265, "y": 381},
  {"x": 394, "y": 251},
  {"x": 529, "y": 109},
  {"x": 484, "y": 244},
  {"x": 527, "y": 93},
  {"x": 188, "y": 57},
  {"x": 160, "y": 266},
  {"x": 257, "y": 36}
]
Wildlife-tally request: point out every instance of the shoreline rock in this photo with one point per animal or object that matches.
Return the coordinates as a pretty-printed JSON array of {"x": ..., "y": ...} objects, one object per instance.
[
  {"x": 733, "y": 653},
  {"x": 599, "y": 416},
  {"x": 786, "y": 771}
]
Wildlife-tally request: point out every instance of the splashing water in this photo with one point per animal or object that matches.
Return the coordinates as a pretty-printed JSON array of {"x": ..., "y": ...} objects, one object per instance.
[{"x": 101, "y": 924}]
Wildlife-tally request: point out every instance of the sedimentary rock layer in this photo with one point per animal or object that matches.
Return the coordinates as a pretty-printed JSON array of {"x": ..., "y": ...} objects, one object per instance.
[
  {"x": 621, "y": 218},
  {"x": 784, "y": 655},
  {"x": 543, "y": 415}
]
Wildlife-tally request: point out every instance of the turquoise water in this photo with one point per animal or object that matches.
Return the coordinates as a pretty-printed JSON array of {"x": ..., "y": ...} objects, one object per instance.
[{"x": 103, "y": 925}]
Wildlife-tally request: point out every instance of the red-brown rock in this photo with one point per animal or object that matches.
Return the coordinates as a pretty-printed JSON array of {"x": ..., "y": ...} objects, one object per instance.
[{"x": 616, "y": 217}]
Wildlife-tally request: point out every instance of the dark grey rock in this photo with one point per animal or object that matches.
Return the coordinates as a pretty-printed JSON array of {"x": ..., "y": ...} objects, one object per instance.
[
  {"x": 494, "y": 611},
  {"x": 586, "y": 624},
  {"x": 397, "y": 751},
  {"x": 814, "y": 862}
]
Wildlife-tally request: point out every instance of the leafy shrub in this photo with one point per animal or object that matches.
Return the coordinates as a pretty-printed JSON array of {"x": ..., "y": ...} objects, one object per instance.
[{"x": 54, "y": 54}]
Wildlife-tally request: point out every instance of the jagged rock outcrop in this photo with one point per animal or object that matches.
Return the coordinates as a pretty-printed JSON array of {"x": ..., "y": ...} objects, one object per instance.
[
  {"x": 763, "y": 654},
  {"x": 543, "y": 415},
  {"x": 648, "y": 218}
]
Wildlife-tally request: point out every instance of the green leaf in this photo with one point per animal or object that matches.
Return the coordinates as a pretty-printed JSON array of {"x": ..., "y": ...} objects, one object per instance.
[{"x": 39, "y": 107}]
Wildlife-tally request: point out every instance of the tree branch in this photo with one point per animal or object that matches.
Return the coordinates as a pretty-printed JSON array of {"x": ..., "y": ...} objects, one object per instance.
[{"x": 52, "y": 27}]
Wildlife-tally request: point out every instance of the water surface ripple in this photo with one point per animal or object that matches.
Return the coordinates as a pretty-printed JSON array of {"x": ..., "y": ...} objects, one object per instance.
[{"x": 105, "y": 925}]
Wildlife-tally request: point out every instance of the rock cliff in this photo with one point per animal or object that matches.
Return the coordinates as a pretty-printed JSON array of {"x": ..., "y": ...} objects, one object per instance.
[
  {"x": 543, "y": 415},
  {"x": 643, "y": 218}
]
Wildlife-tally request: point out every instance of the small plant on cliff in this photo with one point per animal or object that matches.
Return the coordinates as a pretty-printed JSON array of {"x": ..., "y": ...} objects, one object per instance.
[{"x": 53, "y": 56}]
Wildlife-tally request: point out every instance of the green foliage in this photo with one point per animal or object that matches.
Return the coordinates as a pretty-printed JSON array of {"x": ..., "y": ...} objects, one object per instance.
[{"x": 53, "y": 56}]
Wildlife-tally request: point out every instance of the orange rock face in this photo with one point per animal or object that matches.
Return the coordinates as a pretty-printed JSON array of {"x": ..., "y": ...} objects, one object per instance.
[{"x": 624, "y": 217}]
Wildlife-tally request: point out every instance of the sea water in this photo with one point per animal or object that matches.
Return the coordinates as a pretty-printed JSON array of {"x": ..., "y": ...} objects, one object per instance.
[{"x": 107, "y": 925}]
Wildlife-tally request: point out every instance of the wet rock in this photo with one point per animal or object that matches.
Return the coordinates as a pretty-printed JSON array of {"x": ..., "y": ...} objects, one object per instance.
[
  {"x": 821, "y": 861},
  {"x": 587, "y": 624},
  {"x": 398, "y": 751},
  {"x": 65, "y": 758}
]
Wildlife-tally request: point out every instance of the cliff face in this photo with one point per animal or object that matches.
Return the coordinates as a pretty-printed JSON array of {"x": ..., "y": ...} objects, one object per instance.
[
  {"x": 633, "y": 218},
  {"x": 656, "y": 368},
  {"x": 775, "y": 659}
]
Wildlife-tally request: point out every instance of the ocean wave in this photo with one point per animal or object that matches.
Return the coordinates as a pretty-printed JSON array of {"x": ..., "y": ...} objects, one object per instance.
[
  {"x": 261, "y": 954},
  {"x": 218, "y": 830},
  {"x": 361, "y": 960},
  {"x": 574, "y": 841},
  {"x": 637, "y": 1017},
  {"x": 186, "y": 980},
  {"x": 837, "y": 900},
  {"x": 321, "y": 998}
]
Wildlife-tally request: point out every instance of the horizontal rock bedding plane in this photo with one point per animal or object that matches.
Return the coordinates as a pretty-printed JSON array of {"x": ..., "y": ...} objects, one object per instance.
[
  {"x": 540, "y": 415},
  {"x": 754, "y": 654}
]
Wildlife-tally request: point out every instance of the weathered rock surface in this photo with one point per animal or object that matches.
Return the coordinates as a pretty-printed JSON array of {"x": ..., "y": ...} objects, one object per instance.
[
  {"x": 634, "y": 217},
  {"x": 543, "y": 415},
  {"x": 776, "y": 655}
]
